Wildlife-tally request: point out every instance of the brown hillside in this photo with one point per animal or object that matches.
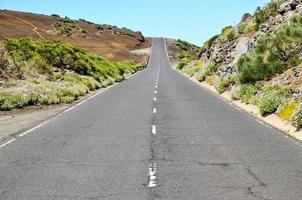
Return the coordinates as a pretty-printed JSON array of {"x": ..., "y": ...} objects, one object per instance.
[{"x": 111, "y": 42}]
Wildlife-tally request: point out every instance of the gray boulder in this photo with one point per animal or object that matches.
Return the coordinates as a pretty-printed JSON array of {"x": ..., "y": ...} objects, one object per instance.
[
  {"x": 244, "y": 45},
  {"x": 288, "y": 6},
  {"x": 247, "y": 17}
]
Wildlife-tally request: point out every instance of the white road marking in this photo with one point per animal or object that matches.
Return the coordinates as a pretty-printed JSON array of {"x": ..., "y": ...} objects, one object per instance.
[
  {"x": 153, "y": 129},
  {"x": 32, "y": 129},
  {"x": 152, "y": 175},
  {"x": 155, "y": 99},
  {"x": 154, "y": 110},
  {"x": 166, "y": 51},
  {"x": 156, "y": 86},
  {"x": 155, "y": 92},
  {"x": 8, "y": 142}
]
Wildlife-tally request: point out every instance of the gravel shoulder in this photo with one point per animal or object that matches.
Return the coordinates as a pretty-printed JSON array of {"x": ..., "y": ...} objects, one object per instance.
[{"x": 15, "y": 122}]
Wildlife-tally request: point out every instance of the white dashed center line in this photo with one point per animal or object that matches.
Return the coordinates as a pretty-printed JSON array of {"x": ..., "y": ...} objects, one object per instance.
[
  {"x": 154, "y": 110},
  {"x": 155, "y": 99},
  {"x": 153, "y": 129}
]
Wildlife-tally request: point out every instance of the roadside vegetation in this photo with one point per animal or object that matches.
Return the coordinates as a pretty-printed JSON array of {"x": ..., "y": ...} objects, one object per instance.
[
  {"x": 67, "y": 27},
  {"x": 273, "y": 53},
  {"x": 44, "y": 73}
]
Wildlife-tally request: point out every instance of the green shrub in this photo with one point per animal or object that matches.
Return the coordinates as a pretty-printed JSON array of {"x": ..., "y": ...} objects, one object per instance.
[
  {"x": 85, "y": 72},
  {"x": 205, "y": 72},
  {"x": 182, "y": 64},
  {"x": 210, "y": 80},
  {"x": 241, "y": 27},
  {"x": 297, "y": 119},
  {"x": 186, "y": 46},
  {"x": 246, "y": 28},
  {"x": 208, "y": 44},
  {"x": 250, "y": 28},
  {"x": 288, "y": 110},
  {"x": 225, "y": 83},
  {"x": 271, "y": 9},
  {"x": 194, "y": 69},
  {"x": 65, "y": 56},
  {"x": 9, "y": 101},
  {"x": 210, "y": 70},
  {"x": 274, "y": 96},
  {"x": 274, "y": 53},
  {"x": 201, "y": 77},
  {"x": 231, "y": 35},
  {"x": 228, "y": 33},
  {"x": 248, "y": 93},
  {"x": 67, "y": 99}
]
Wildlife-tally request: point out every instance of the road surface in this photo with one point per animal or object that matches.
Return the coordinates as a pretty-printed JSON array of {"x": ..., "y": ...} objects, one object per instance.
[{"x": 154, "y": 136}]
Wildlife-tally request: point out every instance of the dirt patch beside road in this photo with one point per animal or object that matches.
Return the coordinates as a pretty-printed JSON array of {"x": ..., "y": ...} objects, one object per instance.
[{"x": 14, "y": 122}]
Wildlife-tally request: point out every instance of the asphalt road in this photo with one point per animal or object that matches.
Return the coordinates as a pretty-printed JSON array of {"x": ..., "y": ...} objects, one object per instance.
[{"x": 136, "y": 141}]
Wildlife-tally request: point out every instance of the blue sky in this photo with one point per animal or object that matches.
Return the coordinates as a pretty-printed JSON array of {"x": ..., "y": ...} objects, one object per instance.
[{"x": 191, "y": 20}]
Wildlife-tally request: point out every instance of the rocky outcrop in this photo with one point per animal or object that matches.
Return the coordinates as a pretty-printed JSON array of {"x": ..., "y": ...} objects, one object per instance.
[
  {"x": 244, "y": 45},
  {"x": 225, "y": 53},
  {"x": 139, "y": 36},
  {"x": 247, "y": 18},
  {"x": 288, "y": 6}
]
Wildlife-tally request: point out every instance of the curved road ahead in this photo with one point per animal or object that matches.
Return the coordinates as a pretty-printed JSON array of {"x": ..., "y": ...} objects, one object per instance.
[{"x": 154, "y": 136}]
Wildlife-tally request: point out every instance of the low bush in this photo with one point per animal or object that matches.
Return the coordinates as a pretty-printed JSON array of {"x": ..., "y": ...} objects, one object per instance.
[
  {"x": 186, "y": 46},
  {"x": 271, "y": 9},
  {"x": 182, "y": 64},
  {"x": 228, "y": 33},
  {"x": 9, "y": 101},
  {"x": 231, "y": 35},
  {"x": 210, "y": 80},
  {"x": 297, "y": 118},
  {"x": 248, "y": 93},
  {"x": 40, "y": 92},
  {"x": 83, "y": 72},
  {"x": 274, "y": 96},
  {"x": 224, "y": 83},
  {"x": 205, "y": 72},
  {"x": 246, "y": 28},
  {"x": 194, "y": 69},
  {"x": 241, "y": 27},
  {"x": 210, "y": 70},
  {"x": 65, "y": 56},
  {"x": 288, "y": 110},
  {"x": 274, "y": 53},
  {"x": 208, "y": 44}
]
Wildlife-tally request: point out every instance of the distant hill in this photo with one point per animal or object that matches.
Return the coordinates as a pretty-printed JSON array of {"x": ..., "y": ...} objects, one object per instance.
[{"x": 110, "y": 41}]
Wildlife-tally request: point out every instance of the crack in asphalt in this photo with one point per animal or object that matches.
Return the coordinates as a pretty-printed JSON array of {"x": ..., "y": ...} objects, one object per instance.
[{"x": 260, "y": 184}]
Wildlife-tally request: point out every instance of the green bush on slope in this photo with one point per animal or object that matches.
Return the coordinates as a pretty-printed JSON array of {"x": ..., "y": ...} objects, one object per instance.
[
  {"x": 297, "y": 118},
  {"x": 274, "y": 53},
  {"x": 271, "y": 9},
  {"x": 82, "y": 72},
  {"x": 224, "y": 83},
  {"x": 274, "y": 96},
  {"x": 64, "y": 56},
  {"x": 248, "y": 93}
]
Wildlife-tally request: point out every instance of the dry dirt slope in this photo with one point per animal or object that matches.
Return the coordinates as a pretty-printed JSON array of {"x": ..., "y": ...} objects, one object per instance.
[{"x": 111, "y": 42}]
